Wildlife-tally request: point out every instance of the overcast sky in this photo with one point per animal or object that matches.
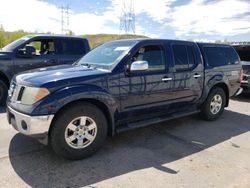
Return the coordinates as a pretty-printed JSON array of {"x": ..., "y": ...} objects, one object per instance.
[{"x": 174, "y": 19}]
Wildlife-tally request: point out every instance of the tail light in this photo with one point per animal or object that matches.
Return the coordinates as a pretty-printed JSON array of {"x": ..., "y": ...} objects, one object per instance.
[{"x": 241, "y": 74}]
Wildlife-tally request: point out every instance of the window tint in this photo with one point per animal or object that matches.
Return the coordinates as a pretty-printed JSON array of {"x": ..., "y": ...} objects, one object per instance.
[
  {"x": 71, "y": 47},
  {"x": 219, "y": 56},
  {"x": 184, "y": 56},
  {"x": 153, "y": 54},
  {"x": 191, "y": 60},
  {"x": 180, "y": 57}
]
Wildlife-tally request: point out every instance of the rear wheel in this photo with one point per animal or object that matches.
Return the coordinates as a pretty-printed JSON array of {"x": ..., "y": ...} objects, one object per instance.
[
  {"x": 214, "y": 105},
  {"x": 3, "y": 92},
  {"x": 79, "y": 131}
]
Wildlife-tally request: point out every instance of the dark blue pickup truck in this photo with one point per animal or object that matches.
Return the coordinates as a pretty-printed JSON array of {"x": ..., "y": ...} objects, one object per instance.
[
  {"x": 122, "y": 85},
  {"x": 36, "y": 51}
]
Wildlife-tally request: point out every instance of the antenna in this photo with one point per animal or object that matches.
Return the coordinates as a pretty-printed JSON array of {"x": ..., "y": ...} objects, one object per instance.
[
  {"x": 127, "y": 19},
  {"x": 65, "y": 12}
]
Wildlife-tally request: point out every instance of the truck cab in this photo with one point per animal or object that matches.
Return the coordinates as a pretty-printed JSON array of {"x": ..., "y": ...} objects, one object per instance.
[{"x": 36, "y": 51}]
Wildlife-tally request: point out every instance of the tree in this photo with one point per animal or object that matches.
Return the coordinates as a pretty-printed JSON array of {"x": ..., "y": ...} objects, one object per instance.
[{"x": 2, "y": 36}]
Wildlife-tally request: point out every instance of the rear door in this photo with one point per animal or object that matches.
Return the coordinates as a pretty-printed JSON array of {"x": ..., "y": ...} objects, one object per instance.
[
  {"x": 188, "y": 74},
  {"x": 147, "y": 93},
  {"x": 70, "y": 50}
]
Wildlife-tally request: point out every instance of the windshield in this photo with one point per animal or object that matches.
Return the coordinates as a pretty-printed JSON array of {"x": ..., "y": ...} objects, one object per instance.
[
  {"x": 107, "y": 55},
  {"x": 14, "y": 44}
]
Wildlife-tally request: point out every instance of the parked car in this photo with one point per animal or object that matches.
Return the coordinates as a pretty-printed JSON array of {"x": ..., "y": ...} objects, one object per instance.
[
  {"x": 122, "y": 85},
  {"x": 35, "y": 51},
  {"x": 244, "y": 52}
]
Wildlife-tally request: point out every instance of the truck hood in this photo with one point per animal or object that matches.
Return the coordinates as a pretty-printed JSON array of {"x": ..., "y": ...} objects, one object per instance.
[{"x": 58, "y": 76}]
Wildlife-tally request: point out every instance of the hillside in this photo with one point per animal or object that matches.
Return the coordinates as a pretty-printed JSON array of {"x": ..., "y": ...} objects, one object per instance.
[{"x": 7, "y": 37}]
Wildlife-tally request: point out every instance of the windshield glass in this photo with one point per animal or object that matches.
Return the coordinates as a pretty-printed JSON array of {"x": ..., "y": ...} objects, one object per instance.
[
  {"x": 14, "y": 44},
  {"x": 107, "y": 55}
]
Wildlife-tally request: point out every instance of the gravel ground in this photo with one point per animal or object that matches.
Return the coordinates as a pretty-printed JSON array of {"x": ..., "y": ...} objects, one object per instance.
[{"x": 186, "y": 152}]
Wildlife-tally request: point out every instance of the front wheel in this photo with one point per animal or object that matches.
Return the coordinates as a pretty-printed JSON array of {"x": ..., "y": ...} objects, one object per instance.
[
  {"x": 79, "y": 131},
  {"x": 214, "y": 105}
]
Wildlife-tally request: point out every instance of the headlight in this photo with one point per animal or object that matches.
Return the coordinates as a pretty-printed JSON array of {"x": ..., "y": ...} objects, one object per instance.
[{"x": 33, "y": 94}]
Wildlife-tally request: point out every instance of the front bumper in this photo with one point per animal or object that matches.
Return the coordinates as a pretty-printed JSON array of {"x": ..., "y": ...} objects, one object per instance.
[{"x": 34, "y": 126}]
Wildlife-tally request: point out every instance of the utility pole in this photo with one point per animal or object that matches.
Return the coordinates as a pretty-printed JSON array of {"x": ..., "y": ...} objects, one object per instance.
[
  {"x": 127, "y": 19},
  {"x": 65, "y": 12}
]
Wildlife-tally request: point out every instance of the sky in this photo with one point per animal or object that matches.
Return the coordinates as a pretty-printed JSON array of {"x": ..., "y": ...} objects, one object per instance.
[{"x": 204, "y": 20}]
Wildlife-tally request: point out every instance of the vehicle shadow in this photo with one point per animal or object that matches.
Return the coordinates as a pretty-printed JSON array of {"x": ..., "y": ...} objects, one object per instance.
[
  {"x": 244, "y": 97},
  {"x": 148, "y": 147}
]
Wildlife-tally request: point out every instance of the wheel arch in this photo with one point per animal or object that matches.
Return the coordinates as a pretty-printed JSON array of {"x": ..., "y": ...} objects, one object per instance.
[
  {"x": 99, "y": 104},
  {"x": 5, "y": 79}
]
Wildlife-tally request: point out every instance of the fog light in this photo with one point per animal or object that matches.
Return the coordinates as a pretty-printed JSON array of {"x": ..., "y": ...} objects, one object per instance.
[{"x": 24, "y": 125}]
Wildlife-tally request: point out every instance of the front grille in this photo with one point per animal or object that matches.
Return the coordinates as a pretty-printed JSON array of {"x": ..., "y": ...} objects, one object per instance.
[{"x": 20, "y": 94}]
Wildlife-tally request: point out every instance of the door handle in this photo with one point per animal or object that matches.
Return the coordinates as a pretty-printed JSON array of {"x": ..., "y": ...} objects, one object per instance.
[
  {"x": 197, "y": 76},
  {"x": 166, "y": 79}
]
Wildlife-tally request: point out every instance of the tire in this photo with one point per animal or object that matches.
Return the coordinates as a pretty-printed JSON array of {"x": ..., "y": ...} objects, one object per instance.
[
  {"x": 214, "y": 105},
  {"x": 3, "y": 92},
  {"x": 79, "y": 131}
]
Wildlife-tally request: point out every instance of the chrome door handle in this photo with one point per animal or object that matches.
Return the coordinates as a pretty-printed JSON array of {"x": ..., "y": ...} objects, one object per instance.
[
  {"x": 166, "y": 79},
  {"x": 197, "y": 76}
]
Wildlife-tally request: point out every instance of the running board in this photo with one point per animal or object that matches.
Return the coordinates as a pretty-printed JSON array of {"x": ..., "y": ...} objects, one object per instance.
[{"x": 156, "y": 120}]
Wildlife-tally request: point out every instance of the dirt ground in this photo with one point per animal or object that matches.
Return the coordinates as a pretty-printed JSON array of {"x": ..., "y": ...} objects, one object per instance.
[{"x": 186, "y": 152}]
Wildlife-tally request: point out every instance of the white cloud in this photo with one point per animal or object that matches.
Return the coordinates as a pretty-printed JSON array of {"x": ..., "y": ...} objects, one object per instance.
[
  {"x": 158, "y": 10},
  {"x": 40, "y": 16},
  {"x": 221, "y": 17},
  {"x": 34, "y": 15},
  {"x": 224, "y": 17},
  {"x": 29, "y": 15}
]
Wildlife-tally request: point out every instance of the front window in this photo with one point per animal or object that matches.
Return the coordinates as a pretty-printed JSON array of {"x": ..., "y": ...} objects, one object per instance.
[
  {"x": 153, "y": 54},
  {"x": 107, "y": 55}
]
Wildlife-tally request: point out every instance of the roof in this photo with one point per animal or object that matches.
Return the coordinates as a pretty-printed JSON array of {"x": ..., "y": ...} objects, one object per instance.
[
  {"x": 153, "y": 39},
  {"x": 52, "y": 35}
]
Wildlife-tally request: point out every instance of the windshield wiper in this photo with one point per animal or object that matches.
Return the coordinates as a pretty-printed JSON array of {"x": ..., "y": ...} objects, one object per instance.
[{"x": 86, "y": 65}]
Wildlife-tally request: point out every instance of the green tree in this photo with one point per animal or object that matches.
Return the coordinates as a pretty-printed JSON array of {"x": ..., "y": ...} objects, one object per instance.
[{"x": 2, "y": 37}]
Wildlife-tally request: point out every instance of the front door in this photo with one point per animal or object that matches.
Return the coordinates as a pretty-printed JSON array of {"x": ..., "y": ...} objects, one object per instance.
[
  {"x": 147, "y": 93},
  {"x": 43, "y": 56}
]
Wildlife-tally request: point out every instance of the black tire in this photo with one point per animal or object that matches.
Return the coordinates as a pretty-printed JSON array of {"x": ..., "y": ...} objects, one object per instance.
[
  {"x": 3, "y": 92},
  {"x": 206, "y": 111},
  {"x": 57, "y": 133}
]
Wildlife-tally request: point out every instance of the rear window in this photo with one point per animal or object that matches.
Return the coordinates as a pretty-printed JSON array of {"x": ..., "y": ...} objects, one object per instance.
[
  {"x": 244, "y": 53},
  {"x": 220, "y": 56},
  {"x": 71, "y": 47},
  {"x": 183, "y": 56}
]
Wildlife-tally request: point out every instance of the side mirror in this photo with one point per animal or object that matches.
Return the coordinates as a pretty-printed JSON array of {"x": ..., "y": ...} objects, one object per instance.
[
  {"x": 27, "y": 52},
  {"x": 138, "y": 66}
]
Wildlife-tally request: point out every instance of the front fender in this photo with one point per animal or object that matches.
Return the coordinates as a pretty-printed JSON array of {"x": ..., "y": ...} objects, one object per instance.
[{"x": 60, "y": 98}]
